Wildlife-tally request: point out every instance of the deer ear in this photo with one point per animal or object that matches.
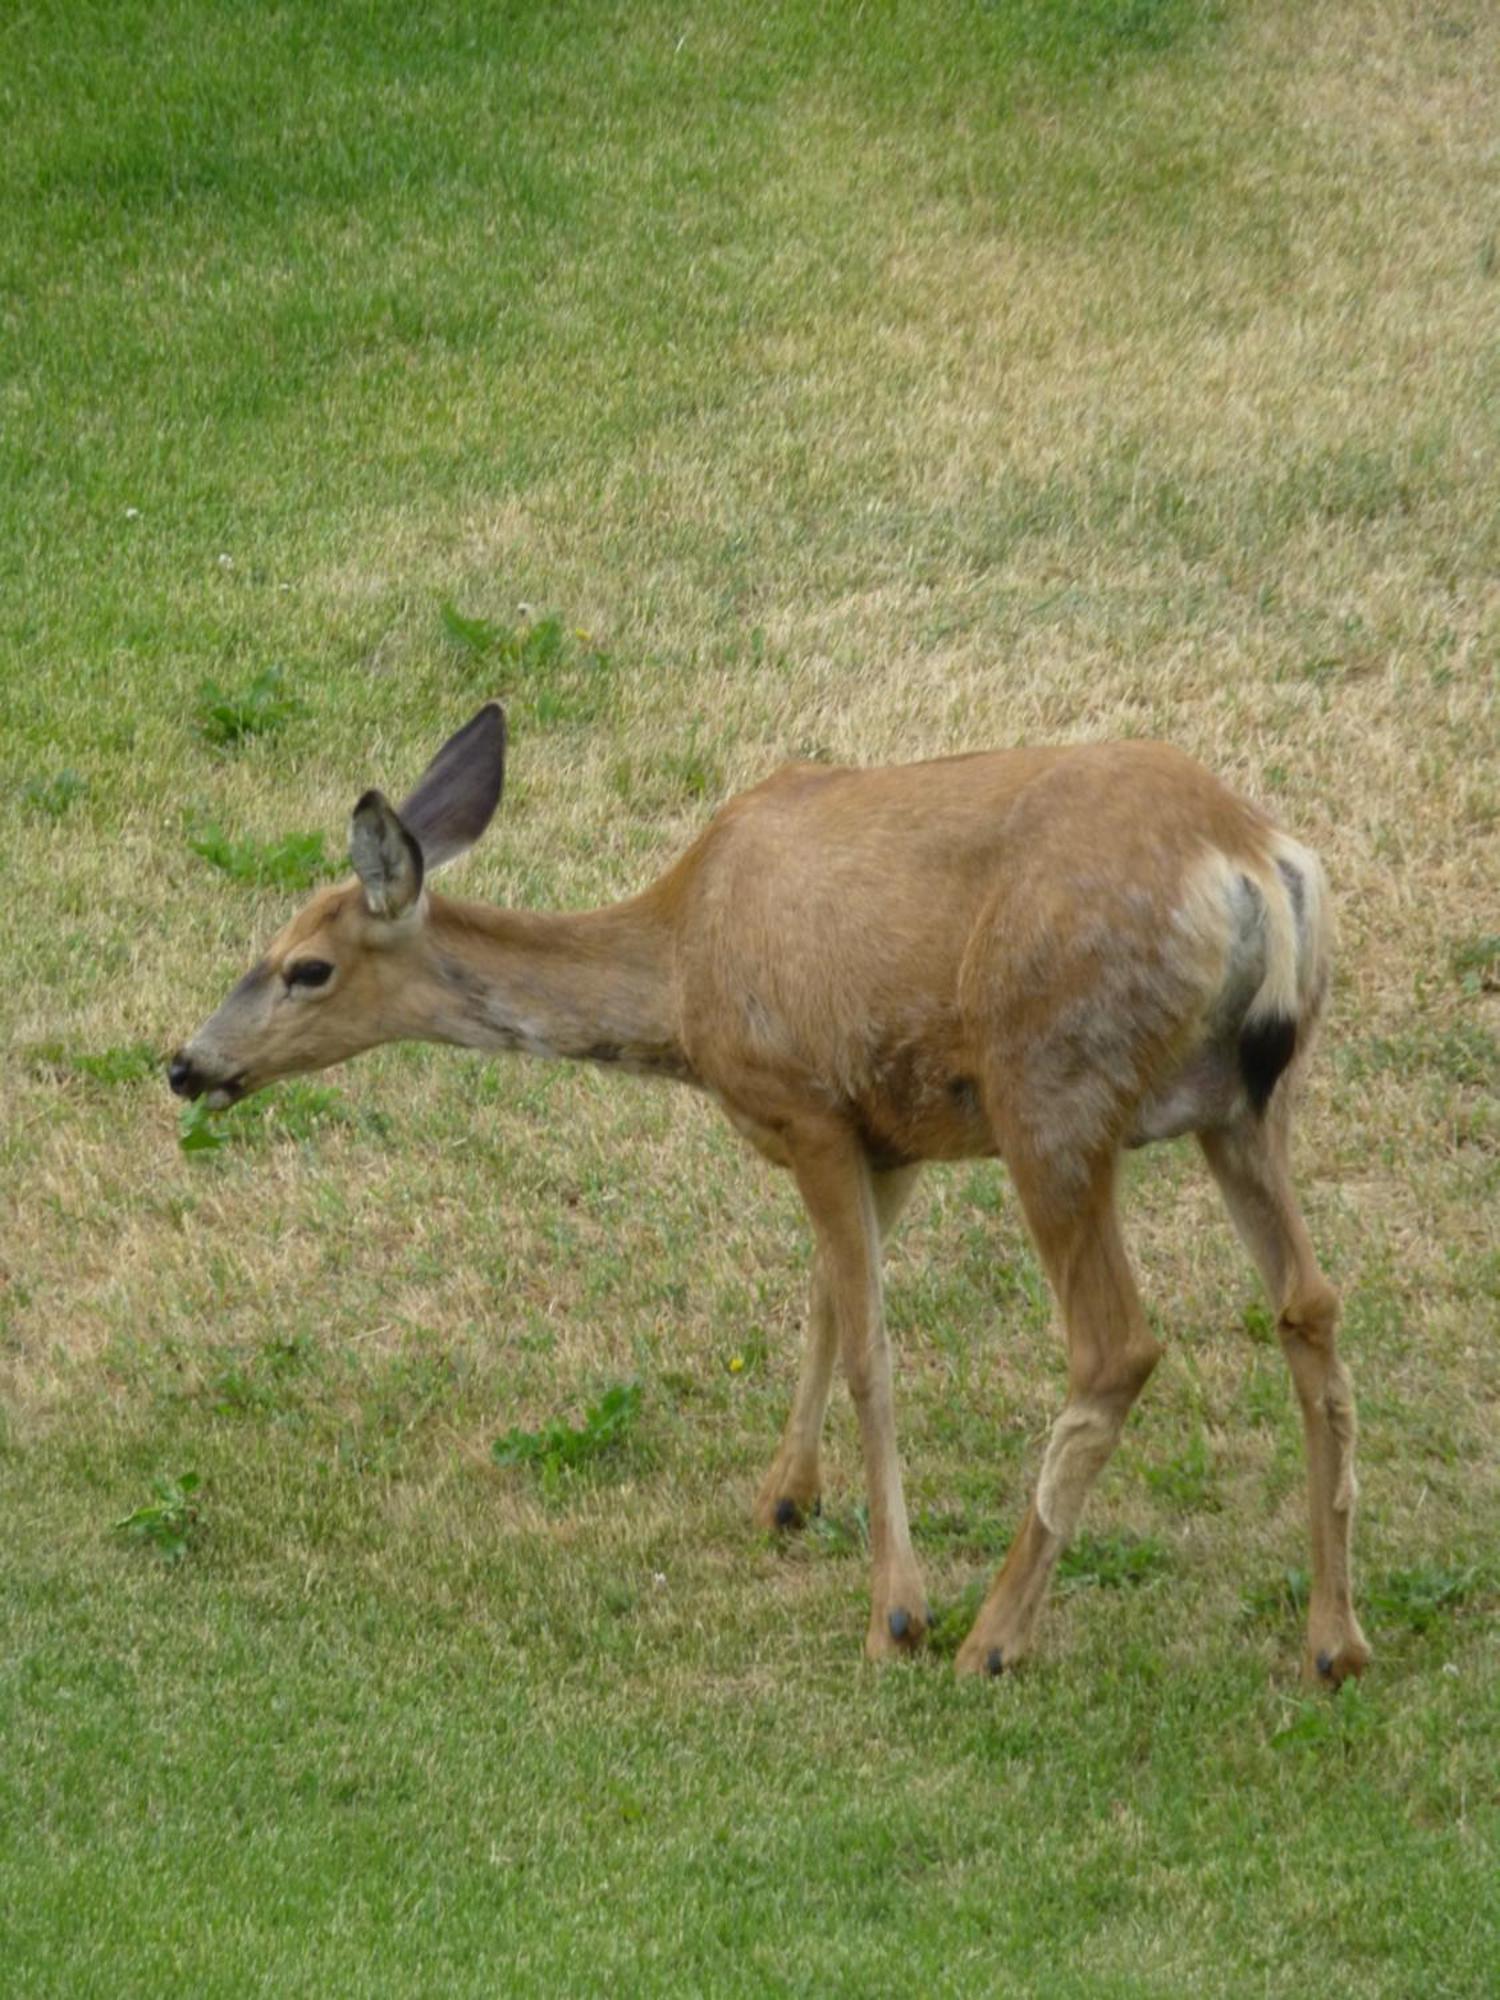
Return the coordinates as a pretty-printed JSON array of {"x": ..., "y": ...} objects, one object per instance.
[
  {"x": 456, "y": 796},
  {"x": 386, "y": 858}
]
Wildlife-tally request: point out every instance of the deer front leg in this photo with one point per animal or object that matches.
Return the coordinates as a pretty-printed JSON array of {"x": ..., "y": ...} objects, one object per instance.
[
  {"x": 790, "y": 1491},
  {"x": 838, "y": 1188}
]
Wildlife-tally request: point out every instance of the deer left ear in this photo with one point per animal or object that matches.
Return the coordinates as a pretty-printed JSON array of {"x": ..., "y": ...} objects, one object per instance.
[
  {"x": 386, "y": 858},
  {"x": 456, "y": 796}
]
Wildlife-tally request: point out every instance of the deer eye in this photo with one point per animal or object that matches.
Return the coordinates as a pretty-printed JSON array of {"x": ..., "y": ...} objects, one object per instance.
[{"x": 309, "y": 972}]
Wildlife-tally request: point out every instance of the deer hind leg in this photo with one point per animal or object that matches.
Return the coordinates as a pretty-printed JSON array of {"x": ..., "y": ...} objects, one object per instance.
[
  {"x": 837, "y": 1186},
  {"x": 1110, "y": 1353},
  {"x": 1249, "y": 1162},
  {"x": 790, "y": 1490}
]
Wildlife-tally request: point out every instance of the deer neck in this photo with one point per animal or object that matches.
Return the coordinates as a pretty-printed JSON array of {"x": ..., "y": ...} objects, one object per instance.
[{"x": 591, "y": 987}]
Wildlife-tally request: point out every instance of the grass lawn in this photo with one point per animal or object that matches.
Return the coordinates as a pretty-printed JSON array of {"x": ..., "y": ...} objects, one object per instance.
[{"x": 719, "y": 385}]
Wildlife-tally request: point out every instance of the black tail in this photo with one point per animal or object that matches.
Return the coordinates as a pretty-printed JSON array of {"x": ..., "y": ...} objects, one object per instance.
[{"x": 1266, "y": 1047}]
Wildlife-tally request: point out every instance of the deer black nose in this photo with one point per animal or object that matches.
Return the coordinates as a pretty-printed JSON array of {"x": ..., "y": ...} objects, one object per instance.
[{"x": 184, "y": 1079}]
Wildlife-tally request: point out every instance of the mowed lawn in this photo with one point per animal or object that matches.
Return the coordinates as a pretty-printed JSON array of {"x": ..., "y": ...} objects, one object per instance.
[{"x": 718, "y": 385}]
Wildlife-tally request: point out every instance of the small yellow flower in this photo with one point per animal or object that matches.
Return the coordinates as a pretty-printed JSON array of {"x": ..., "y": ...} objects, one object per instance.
[{"x": 736, "y": 1364}]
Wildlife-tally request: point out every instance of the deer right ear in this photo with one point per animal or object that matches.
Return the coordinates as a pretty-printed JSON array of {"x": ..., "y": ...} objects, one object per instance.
[
  {"x": 455, "y": 798},
  {"x": 386, "y": 859}
]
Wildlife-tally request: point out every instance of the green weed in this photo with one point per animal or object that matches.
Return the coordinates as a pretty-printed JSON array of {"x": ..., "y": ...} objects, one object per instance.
[
  {"x": 296, "y": 1110},
  {"x": 264, "y": 707},
  {"x": 563, "y": 1447},
  {"x": 297, "y": 861},
  {"x": 168, "y": 1522},
  {"x": 198, "y": 1130},
  {"x": 131, "y": 1062}
]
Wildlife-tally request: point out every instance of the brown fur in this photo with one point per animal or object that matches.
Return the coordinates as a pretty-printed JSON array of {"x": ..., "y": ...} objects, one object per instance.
[{"x": 1041, "y": 954}]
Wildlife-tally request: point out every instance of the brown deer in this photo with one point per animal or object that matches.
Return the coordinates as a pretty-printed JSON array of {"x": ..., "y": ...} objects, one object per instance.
[{"x": 1045, "y": 955}]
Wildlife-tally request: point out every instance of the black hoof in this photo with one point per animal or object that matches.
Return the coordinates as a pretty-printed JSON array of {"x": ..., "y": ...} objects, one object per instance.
[
  {"x": 900, "y": 1624},
  {"x": 1325, "y": 1665},
  {"x": 788, "y": 1514},
  {"x": 994, "y": 1662}
]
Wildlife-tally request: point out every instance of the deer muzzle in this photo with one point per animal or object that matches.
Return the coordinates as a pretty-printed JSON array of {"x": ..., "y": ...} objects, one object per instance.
[{"x": 188, "y": 1079}]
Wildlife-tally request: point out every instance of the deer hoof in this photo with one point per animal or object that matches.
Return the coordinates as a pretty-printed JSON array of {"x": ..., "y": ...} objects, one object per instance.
[
  {"x": 1331, "y": 1666},
  {"x": 788, "y": 1514},
  {"x": 898, "y": 1634},
  {"x": 994, "y": 1662}
]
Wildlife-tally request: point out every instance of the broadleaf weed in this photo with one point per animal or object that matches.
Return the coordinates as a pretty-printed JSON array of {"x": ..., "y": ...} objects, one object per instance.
[
  {"x": 227, "y": 718},
  {"x": 128, "y": 1062},
  {"x": 297, "y": 861},
  {"x": 196, "y": 1131},
  {"x": 168, "y": 1522},
  {"x": 562, "y": 1447}
]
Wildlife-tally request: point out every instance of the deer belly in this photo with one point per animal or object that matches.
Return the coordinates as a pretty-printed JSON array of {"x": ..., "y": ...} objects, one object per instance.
[{"x": 942, "y": 1118}]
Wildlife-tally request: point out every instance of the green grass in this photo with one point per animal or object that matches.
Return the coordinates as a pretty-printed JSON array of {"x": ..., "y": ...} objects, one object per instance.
[{"x": 720, "y": 386}]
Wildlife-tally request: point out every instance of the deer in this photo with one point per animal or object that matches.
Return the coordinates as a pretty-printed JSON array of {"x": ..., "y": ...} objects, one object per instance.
[{"x": 1043, "y": 955}]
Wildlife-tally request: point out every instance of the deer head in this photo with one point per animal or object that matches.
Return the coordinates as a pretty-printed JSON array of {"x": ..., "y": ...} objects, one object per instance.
[{"x": 354, "y": 968}]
